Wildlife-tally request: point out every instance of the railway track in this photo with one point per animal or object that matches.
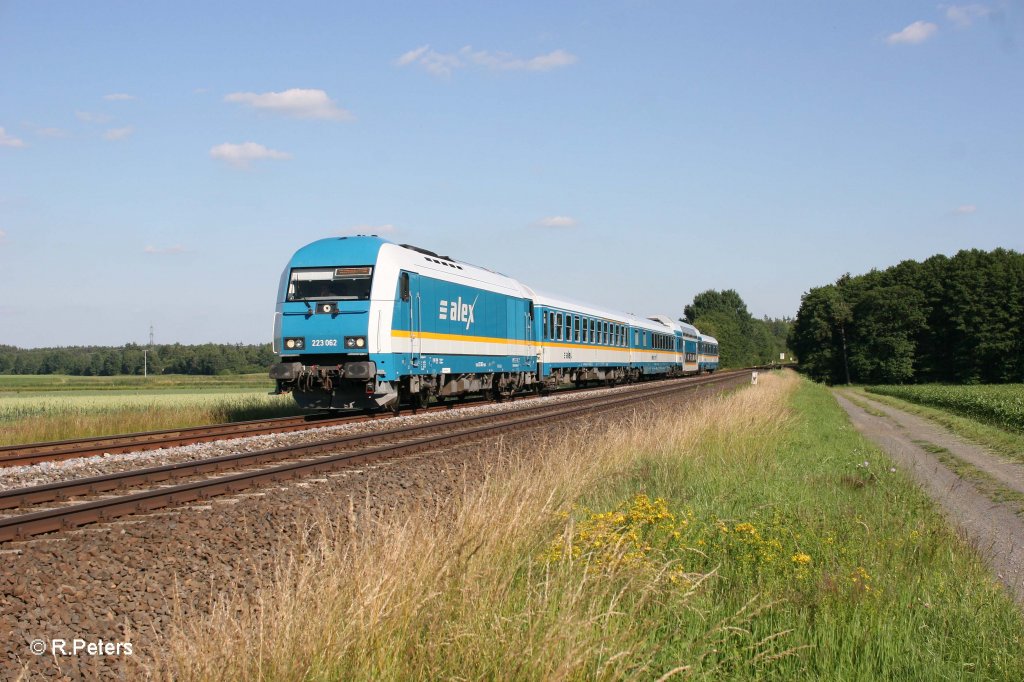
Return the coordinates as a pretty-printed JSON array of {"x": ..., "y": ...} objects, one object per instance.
[
  {"x": 56, "y": 451},
  {"x": 206, "y": 478}
]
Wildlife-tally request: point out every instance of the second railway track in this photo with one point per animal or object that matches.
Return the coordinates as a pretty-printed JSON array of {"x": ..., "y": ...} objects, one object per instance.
[
  {"x": 56, "y": 451},
  {"x": 282, "y": 463},
  {"x": 35, "y": 453}
]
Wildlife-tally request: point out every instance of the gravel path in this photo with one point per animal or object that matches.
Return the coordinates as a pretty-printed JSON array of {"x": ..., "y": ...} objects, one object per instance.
[
  {"x": 121, "y": 581},
  {"x": 991, "y": 527}
]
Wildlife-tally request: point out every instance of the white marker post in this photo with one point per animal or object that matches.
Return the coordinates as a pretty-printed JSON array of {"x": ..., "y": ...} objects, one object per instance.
[{"x": 753, "y": 378}]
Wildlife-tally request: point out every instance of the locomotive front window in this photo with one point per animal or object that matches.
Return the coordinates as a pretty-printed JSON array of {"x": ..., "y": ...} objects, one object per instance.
[{"x": 342, "y": 283}]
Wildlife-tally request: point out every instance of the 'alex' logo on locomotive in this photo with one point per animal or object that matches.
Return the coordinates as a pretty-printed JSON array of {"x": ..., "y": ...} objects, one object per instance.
[{"x": 457, "y": 311}]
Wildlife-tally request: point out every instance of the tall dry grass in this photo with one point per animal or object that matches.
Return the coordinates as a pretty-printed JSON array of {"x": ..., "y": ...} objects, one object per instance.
[
  {"x": 464, "y": 590},
  {"x": 33, "y": 419}
]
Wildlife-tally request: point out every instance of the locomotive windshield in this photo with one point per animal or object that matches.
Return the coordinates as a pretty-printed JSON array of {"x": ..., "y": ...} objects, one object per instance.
[{"x": 345, "y": 284}]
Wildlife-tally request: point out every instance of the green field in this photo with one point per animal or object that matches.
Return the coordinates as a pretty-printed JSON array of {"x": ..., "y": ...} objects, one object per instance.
[
  {"x": 754, "y": 536},
  {"x": 45, "y": 408},
  {"x": 32, "y": 383},
  {"x": 1001, "y": 405}
]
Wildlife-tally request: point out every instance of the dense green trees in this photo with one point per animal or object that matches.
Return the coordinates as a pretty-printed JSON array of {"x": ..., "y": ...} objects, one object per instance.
[
  {"x": 958, "y": 319},
  {"x": 209, "y": 358},
  {"x": 743, "y": 340}
]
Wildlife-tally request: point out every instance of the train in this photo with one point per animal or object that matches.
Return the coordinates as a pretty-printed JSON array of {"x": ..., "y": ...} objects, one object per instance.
[{"x": 362, "y": 323}]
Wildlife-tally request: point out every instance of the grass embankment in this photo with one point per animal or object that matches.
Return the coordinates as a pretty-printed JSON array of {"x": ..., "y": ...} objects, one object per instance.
[
  {"x": 751, "y": 536},
  {"x": 1008, "y": 443},
  {"x": 34, "y": 409}
]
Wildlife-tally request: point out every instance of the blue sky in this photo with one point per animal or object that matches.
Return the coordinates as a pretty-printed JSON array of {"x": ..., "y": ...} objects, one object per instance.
[{"x": 159, "y": 162}]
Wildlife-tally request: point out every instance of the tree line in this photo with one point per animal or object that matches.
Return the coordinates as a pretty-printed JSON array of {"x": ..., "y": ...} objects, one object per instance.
[
  {"x": 207, "y": 358},
  {"x": 743, "y": 340},
  {"x": 953, "y": 320}
]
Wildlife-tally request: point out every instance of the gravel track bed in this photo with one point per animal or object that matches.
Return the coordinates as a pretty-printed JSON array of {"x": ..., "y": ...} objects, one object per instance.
[
  {"x": 123, "y": 580},
  {"x": 82, "y": 467}
]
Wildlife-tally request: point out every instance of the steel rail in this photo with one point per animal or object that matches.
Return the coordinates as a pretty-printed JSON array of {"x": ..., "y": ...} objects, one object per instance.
[
  {"x": 25, "y": 525},
  {"x": 19, "y": 497},
  {"x": 32, "y": 453},
  {"x": 55, "y": 451}
]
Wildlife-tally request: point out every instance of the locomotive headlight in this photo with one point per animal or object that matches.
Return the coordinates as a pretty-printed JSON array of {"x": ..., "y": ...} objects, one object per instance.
[
  {"x": 295, "y": 343},
  {"x": 355, "y": 342},
  {"x": 360, "y": 342}
]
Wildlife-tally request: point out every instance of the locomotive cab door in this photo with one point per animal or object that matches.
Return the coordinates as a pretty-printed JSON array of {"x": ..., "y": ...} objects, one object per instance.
[{"x": 410, "y": 318}]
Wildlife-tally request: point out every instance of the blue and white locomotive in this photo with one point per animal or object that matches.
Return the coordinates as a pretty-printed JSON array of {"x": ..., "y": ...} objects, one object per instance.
[{"x": 363, "y": 323}]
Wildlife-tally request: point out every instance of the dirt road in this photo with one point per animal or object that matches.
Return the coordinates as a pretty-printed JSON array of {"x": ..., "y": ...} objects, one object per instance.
[{"x": 994, "y": 528}]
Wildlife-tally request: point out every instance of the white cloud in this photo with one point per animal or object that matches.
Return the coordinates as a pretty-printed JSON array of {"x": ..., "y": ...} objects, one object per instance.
[
  {"x": 118, "y": 133},
  {"x": 3, "y": 235},
  {"x": 119, "y": 97},
  {"x": 965, "y": 209},
  {"x": 90, "y": 117},
  {"x": 505, "y": 62},
  {"x": 51, "y": 132},
  {"x": 9, "y": 140},
  {"x": 370, "y": 229},
  {"x": 557, "y": 221},
  {"x": 964, "y": 15},
  {"x": 242, "y": 155},
  {"x": 442, "y": 64},
  {"x": 296, "y": 102},
  {"x": 431, "y": 61},
  {"x": 915, "y": 34},
  {"x": 412, "y": 56},
  {"x": 166, "y": 250}
]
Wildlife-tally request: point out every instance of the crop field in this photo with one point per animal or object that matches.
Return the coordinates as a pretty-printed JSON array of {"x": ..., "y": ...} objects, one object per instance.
[
  {"x": 44, "y": 408},
  {"x": 752, "y": 536},
  {"x": 31, "y": 383},
  {"x": 1001, "y": 405}
]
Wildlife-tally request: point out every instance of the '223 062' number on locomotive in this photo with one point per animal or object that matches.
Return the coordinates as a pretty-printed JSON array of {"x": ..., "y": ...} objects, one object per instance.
[{"x": 324, "y": 342}]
